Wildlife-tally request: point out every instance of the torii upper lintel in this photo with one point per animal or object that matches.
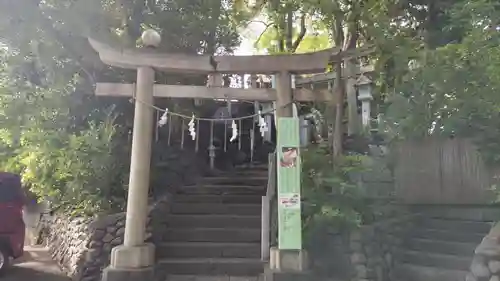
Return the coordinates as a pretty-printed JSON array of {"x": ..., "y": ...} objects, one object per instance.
[{"x": 314, "y": 62}]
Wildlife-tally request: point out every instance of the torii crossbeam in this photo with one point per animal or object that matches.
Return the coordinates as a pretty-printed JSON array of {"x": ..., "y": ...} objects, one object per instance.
[{"x": 203, "y": 92}]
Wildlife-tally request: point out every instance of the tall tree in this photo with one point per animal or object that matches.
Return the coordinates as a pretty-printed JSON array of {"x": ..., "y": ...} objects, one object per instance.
[
  {"x": 451, "y": 88},
  {"x": 52, "y": 124}
]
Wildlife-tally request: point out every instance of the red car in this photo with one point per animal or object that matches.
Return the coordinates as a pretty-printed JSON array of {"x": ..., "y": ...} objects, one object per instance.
[{"x": 12, "y": 228}]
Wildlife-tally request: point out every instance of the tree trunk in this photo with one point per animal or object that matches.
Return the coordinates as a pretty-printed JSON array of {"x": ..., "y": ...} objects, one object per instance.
[
  {"x": 339, "y": 92},
  {"x": 289, "y": 31},
  {"x": 338, "y": 132},
  {"x": 347, "y": 42}
]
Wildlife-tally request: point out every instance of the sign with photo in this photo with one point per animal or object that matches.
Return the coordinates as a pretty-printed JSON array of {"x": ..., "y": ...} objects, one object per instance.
[
  {"x": 289, "y": 157},
  {"x": 289, "y": 169}
]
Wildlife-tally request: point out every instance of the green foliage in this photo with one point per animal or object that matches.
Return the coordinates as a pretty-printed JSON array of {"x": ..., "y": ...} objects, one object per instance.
[
  {"x": 317, "y": 38},
  {"x": 79, "y": 166},
  {"x": 79, "y": 172},
  {"x": 452, "y": 90},
  {"x": 332, "y": 199},
  {"x": 70, "y": 146}
]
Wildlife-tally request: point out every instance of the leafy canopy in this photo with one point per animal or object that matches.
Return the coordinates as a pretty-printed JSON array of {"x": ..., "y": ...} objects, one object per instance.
[
  {"x": 452, "y": 90},
  {"x": 68, "y": 145}
]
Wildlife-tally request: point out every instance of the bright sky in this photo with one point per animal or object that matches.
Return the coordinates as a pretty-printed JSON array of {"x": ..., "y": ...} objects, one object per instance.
[{"x": 249, "y": 35}]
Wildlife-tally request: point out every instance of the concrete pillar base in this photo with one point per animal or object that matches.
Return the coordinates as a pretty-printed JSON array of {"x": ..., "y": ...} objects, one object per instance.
[
  {"x": 273, "y": 275},
  {"x": 131, "y": 263},
  {"x": 133, "y": 257},
  {"x": 128, "y": 274},
  {"x": 288, "y": 260}
]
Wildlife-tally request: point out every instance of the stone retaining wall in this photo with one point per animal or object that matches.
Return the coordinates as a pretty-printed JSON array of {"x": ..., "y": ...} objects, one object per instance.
[
  {"x": 377, "y": 179},
  {"x": 485, "y": 265},
  {"x": 373, "y": 248},
  {"x": 364, "y": 254},
  {"x": 82, "y": 247}
]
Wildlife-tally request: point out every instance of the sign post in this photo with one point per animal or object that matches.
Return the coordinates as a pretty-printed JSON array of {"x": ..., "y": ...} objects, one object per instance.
[{"x": 289, "y": 170}]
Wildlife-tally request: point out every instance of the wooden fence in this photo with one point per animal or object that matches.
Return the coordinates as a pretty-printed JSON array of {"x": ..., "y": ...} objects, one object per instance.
[{"x": 441, "y": 171}]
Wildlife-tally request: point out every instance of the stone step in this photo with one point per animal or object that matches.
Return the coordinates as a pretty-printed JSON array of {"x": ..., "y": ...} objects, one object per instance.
[
  {"x": 228, "y": 180},
  {"x": 445, "y": 235},
  {"x": 172, "y": 277},
  {"x": 212, "y": 235},
  {"x": 215, "y": 221},
  {"x": 216, "y": 209},
  {"x": 212, "y": 266},
  {"x": 223, "y": 190},
  {"x": 244, "y": 173},
  {"x": 231, "y": 199},
  {"x": 434, "y": 260},
  {"x": 209, "y": 250},
  {"x": 486, "y": 214},
  {"x": 456, "y": 225},
  {"x": 252, "y": 166},
  {"x": 443, "y": 247},
  {"x": 411, "y": 272}
]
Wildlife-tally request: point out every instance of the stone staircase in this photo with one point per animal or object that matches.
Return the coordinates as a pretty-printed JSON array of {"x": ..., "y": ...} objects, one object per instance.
[
  {"x": 439, "y": 249},
  {"x": 215, "y": 229}
]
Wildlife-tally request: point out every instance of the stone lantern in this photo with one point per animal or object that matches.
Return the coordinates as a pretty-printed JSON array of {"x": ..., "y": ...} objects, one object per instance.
[{"x": 364, "y": 86}]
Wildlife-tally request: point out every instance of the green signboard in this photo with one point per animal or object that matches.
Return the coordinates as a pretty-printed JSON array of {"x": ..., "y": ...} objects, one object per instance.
[{"x": 289, "y": 214}]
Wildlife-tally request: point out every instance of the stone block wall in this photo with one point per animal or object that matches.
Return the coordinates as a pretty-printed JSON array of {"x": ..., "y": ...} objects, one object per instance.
[
  {"x": 373, "y": 247},
  {"x": 329, "y": 255},
  {"x": 363, "y": 254},
  {"x": 377, "y": 180},
  {"x": 82, "y": 247},
  {"x": 485, "y": 265},
  {"x": 67, "y": 240}
]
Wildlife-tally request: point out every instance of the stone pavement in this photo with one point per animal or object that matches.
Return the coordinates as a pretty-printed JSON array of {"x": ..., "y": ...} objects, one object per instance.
[{"x": 35, "y": 265}]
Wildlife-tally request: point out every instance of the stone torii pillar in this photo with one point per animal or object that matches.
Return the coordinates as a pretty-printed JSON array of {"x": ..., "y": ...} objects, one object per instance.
[
  {"x": 284, "y": 97},
  {"x": 134, "y": 260}
]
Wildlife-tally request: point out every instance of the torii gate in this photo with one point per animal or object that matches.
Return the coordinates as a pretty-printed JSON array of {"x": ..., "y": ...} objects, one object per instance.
[{"x": 134, "y": 260}]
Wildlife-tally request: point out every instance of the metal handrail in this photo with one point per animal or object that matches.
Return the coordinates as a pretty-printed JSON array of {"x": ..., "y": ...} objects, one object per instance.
[{"x": 268, "y": 218}]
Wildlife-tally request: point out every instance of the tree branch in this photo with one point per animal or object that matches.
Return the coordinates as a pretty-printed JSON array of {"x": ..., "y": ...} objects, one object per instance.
[
  {"x": 259, "y": 21},
  {"x": 48, "y": 26},
  {"x": 302, "y": 33},
  {"x": 262, "y": 34},
  {"x": 352, "y": 37},
  {"x": 352, "y": 30}
]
